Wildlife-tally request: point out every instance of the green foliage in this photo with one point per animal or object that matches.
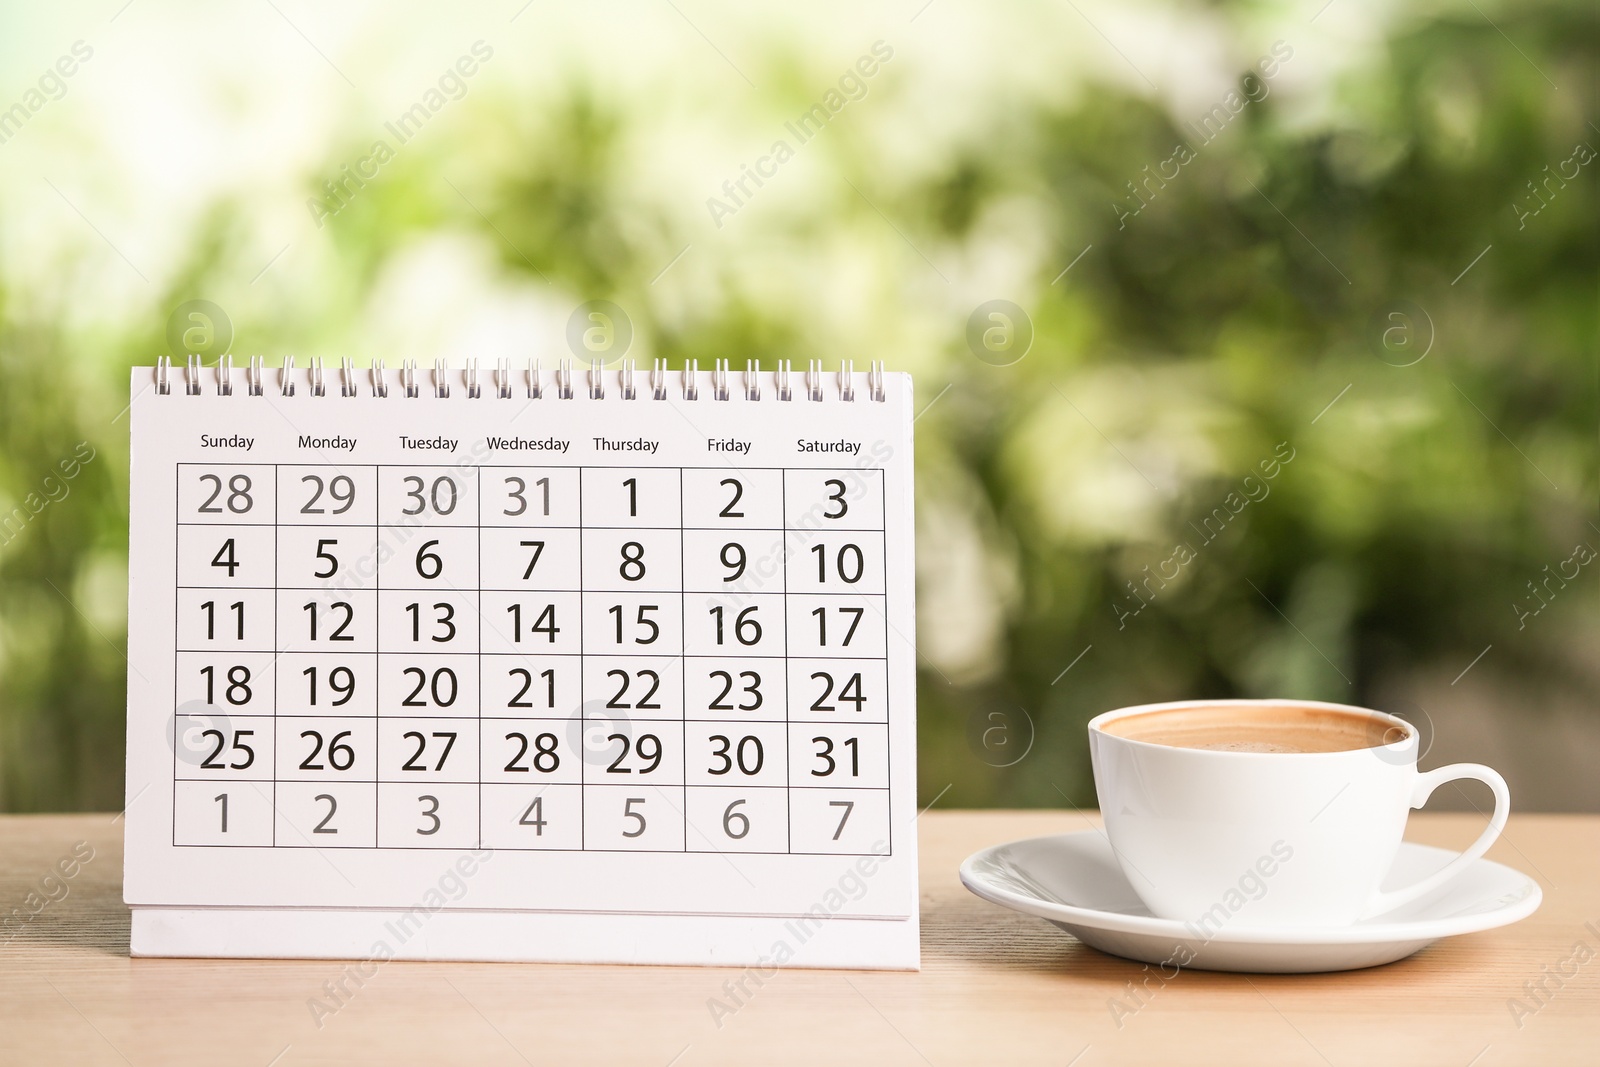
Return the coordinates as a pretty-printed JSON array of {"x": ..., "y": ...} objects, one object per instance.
[{"x": 1238, "y": 317}]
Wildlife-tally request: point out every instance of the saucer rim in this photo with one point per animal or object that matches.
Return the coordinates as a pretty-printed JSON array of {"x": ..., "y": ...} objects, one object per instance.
[{"x": 1359, "y": 933}]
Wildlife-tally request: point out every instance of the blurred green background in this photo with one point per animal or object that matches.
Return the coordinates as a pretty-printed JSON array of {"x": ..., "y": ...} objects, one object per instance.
[{"x": 1353, "y": 246}]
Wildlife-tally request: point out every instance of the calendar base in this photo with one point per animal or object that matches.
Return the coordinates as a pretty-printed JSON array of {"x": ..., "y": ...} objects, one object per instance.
[{"x": 373, "y": 936}]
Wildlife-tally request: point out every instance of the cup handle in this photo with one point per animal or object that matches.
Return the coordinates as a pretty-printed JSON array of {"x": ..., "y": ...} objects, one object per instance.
[{"x": 1426, "y": 784}]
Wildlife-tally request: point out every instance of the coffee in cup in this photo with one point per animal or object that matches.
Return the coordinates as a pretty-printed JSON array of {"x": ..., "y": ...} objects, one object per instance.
[
  {"x": 1269, "y": 813},
  {"x": 1264, "y": 727}
]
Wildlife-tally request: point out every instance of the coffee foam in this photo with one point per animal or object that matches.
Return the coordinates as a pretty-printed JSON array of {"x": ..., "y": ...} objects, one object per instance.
[
  {"x": 1257, "y": 728},
  {"x": 1248, "y": 746}
]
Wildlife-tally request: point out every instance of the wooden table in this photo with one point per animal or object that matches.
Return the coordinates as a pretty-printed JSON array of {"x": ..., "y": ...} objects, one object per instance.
[{"x": 996, "y": 987}]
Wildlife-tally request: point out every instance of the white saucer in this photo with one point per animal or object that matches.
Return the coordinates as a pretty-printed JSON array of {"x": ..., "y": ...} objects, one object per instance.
[{"x": 1073, "y": 881}]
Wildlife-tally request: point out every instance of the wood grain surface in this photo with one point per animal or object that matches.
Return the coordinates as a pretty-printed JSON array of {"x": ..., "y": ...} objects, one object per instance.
[{"x": 996, "y": 987}]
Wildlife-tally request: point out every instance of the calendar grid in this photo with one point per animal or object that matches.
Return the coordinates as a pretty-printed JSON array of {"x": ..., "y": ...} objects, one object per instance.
[
  {"x": 583, "y": 702},
  {"x": 683, "y": 623},
  {"x": 478, "y": 797},
  {"x": 883, "y": 524},
  {"x": 788, "y": 713},
  {"x": 275, "y": 656},
  {"x": 177, "y": 700},
  {"x": 377, "y": 675},
  {"x": 777, "y": 761}
]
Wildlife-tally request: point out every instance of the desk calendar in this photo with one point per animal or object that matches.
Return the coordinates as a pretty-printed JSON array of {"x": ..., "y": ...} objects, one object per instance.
[{"x": 606, "y": 665}]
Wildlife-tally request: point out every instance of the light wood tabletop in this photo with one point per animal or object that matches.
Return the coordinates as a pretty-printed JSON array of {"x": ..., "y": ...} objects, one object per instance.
[{"x": 995, "y": 987}]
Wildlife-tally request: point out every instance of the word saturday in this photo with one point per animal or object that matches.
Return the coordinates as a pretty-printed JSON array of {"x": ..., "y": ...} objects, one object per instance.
[{"x": 848, "y": 447}]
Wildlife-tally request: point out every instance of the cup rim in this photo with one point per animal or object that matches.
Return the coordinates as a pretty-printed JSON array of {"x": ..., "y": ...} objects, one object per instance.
[{"x": 1097, "y": 726}]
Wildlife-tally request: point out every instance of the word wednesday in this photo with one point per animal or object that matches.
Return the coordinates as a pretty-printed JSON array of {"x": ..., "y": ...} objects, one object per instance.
[{"x": 525, "y": 444}]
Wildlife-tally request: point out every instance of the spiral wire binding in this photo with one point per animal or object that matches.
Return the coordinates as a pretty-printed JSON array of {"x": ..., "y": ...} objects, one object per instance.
[{"x": 503, "y": 379}]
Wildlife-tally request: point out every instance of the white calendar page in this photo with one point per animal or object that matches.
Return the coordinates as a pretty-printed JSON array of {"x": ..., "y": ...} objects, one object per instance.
[{"x": 647, "y": 655}]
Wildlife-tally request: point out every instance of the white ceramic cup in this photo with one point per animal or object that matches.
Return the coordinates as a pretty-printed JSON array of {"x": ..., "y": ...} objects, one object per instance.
[{"x": 1238, "y": 839}]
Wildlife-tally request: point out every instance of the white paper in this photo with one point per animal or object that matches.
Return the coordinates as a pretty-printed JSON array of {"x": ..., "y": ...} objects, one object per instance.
[{"x": 647, "y": 656}]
